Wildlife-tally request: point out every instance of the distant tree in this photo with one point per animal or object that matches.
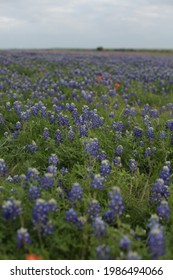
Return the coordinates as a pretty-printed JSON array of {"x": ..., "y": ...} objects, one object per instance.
[{"x": 99, "y": 49}]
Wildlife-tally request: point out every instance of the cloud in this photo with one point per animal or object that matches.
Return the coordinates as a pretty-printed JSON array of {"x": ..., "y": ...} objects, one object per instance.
[{"x": 85, "y": 23}]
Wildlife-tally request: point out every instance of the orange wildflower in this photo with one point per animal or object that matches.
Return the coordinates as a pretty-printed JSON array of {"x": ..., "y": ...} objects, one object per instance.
[
  {"x": 99, "y": 78},
  {"x": 117, "y": 85},
  {"x": 33, "y": 257}
]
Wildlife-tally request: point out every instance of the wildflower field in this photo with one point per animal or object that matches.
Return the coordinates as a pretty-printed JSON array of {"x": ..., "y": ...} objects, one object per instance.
[{"x": 86, "y": 148}]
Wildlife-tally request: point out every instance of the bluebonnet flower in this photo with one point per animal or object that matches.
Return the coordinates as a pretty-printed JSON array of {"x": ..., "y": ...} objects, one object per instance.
[
  {"x": 141, "y": 143},
  {"x": 16, "y": 179},
  {"x": 32, "y": 174},
  {"x": 159, "y": 191},
  {"x": 117, "y": 161},
  {"x": 15, "y": 134},
  {"x": 63, "y": 170},
  {"x": 53, "y": 159},
  {"x": 75, "y": 114},
  {"x": 105, "y": 168},
  {"x": 86, "y": 111},
  {"x": 52, "y": 118},
  {"x": 97, "y": 182},
  {"x": 18, "y": 106},
  {"x": 63, "y": 120},
  {"x": 150, "y": 132},
  {"x": 137, "y": 132},
  {"x": 101, "y": 156},
  {"x": 81, "y": 222},
  {"x": 165, "y": 174},
  {"x": 132, "y": 112},
  {"x": 163, "y": 210},
  {"x": 96, "y": 121},
  {"x": 93, "y": 209},
  {"x": 154, "y": 113},
  {"x": 3, "y": 168},
  {"x": 8, "y": 106},
  {"x": 92, "y": 147},
  {"x": 18, "y": 125},
  {"x": 58, "y": 137},
  {"x": 43, "y": 111},
  {"x": 22, "y": 237},
  {"x": 34, "y": 192},
  {"x": 169, "y": 106},
  {"x": 76, "y": 192},
  {"x": 99, "y": 227},
  {"x": 34, "y": 110},
  {"x": 46, "y": 133},
  {"x": 125, "y": 243},
  {"x": 71, "y": 133},
  {"x": 133, "y": 256},
  {"x": 111, "y": 115},
  {"x": 118, "y": 126},
  {"x": 119, "y": 150},
  {"x": 46, "y": 182},
  {"x": 71, "y": 216},
  {"x": 25, "y": 115},
  {"x": 40, "y": 211},
  {"x": 40, "y": 214},
  {"x": 153, "y": 221},
  {"x": 52, "y": 205},
  {"x": 127, "y": 110},
  {"x": 52, "y": 169},
  {"x": 11, "y": 209},
  {"x": 48, "y": 228},
  {"x": 83, "y": 129},
  {"x": 116, "y": 203},
  {"x": 109, "y": 216},
  {"x": 32, "y": 148},
  {"x": 156, "y": 241},
  {"x": 133, "y": 165},
  {"x": 147, "y": 108},
  {"x": 103, "y": 252},
  {"x": 148, "y": 152},
  {"x": 169, "y": 125},
  {"x": 147, "y": 121},
  {"x": 162, "y": 135}
]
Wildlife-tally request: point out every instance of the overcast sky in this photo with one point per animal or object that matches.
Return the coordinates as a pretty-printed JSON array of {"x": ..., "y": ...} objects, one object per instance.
[{"x": 86, "y": 23}]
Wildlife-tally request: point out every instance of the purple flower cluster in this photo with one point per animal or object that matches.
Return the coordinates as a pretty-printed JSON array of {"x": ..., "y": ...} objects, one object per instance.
[
  {"x": 92, "y": 147},
  {"x": 99, "y": 227},
  {"x": 32, "y": 148},
  {"x": 11, "y": 209},
  {"x": 46, "y": 182},
  {"x": 40, "y": 216},
  {"x": 93, "y": 209},
  {"x": 75, "y": 193},
  {"x": 73, "y": 218},
  {"x": 105, "y": 168},
  {"x": 156, "y": 239},
  {"x": 116, "y": 203},
  {"x": 103, "y": 252},
  {"x": 23, "y": 237},
  {"x": 97, "y": 182},
  {"x": 53, "y": 159},
  {"x": 3, "y": 168},
  {"x": 159, "y": 191}
]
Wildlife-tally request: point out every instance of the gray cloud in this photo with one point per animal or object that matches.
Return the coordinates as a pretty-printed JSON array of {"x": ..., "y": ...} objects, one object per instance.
[{"x": 86, "y": 23}]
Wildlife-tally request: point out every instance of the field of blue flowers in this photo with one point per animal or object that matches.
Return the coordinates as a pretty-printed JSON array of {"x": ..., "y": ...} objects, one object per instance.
[{"x": 86, "y": 148}]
